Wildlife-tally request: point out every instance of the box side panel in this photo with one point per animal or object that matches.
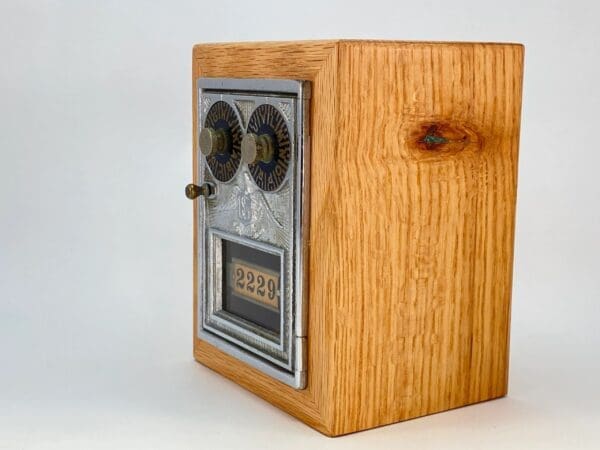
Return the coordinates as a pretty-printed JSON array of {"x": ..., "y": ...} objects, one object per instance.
[
  {"x": 315, "y": 62},
  {"x": 424, "y": 196}
]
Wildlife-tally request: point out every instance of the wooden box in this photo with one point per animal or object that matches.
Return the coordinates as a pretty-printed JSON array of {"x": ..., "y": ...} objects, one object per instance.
[{"x": 413, "y": 176}]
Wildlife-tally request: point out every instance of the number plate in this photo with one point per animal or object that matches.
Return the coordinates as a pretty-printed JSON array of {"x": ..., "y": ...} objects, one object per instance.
[
  {"x": 251, "y": 288},
  {"x": 255, "y": 283}
]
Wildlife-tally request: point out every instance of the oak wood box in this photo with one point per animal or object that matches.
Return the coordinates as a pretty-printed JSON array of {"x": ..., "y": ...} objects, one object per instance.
[{"x": 413, "y": 176}]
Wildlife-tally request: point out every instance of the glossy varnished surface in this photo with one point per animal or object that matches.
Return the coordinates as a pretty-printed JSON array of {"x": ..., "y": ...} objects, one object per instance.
[{"x": 413, "y": 180}]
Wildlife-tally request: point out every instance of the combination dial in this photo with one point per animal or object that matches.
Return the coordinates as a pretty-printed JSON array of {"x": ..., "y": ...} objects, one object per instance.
[
  {"x": 266, "y": 147},
  {"x": 220, "y": 141}
]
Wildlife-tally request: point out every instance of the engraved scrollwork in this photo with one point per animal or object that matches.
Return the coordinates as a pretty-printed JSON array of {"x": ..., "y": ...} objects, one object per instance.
[
  {"x": 206, "y": 102},
  {"x": 248, "y": 212}
]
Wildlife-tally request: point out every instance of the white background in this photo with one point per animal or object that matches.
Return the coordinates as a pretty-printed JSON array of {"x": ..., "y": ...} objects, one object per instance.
[{"x": 96, "y": 234}]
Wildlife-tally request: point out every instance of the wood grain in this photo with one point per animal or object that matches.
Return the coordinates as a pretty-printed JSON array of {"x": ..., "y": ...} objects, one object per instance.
[{"x": 413, "y": 184}]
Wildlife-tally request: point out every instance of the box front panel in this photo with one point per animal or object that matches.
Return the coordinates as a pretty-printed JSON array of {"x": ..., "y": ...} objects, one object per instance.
[{"x": 251, "y": 226}]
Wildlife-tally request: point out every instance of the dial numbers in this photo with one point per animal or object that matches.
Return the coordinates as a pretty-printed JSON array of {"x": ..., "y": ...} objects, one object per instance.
[
  {"x": 222, "y": 117},
  {"x": 267, "y": 120}
]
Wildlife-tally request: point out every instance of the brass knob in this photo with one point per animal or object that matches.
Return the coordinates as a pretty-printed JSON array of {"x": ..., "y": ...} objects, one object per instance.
[
  {"x": 212, "y": 142},
  {"x": 257, "y": 148},
  {"x": 193, "y": 191}
]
